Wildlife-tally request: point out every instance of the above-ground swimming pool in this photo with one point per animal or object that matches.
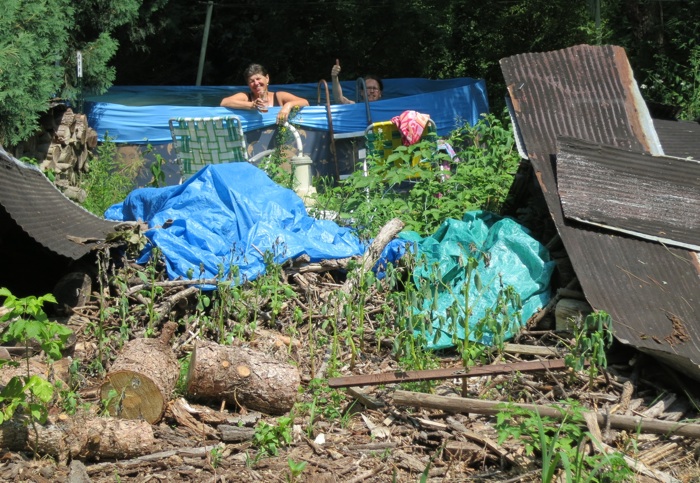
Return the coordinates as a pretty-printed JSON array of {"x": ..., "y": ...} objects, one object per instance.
[{"x": 136, "y": 117}]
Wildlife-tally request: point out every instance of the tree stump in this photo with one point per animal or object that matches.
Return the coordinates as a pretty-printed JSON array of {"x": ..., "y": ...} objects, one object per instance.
[
  {"x": 242, "y": 376},
  {"x": 143, "y": 377}
]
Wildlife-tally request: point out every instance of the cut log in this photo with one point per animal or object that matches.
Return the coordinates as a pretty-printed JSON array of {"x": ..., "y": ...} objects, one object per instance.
[
  {"x": 242, "y": 376},
  {"x": 80, "y": 436},
  {"x": 142, "y": 377},
  {"x": 37, "y": 366},
  {"x": 93, "y": 438}
]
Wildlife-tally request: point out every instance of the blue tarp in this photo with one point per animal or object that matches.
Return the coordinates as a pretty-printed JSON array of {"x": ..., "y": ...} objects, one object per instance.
[
  {"x": 507, "y": 256},
  {"x": 140, "y": 114},
  {"x": 231, "y": 214}
]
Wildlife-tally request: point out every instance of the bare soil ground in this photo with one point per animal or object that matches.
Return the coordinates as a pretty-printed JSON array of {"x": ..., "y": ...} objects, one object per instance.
[{"x": 371, "y": 438}]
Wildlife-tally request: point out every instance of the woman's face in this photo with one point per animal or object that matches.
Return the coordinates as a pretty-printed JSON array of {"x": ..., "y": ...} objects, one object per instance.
[
  {"x": 373, "y": 91},
  {"x": 258, "y": 83}
]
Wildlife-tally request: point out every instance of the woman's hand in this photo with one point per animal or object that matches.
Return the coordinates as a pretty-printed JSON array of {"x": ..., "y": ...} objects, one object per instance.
[{"x": 283, "y": 115}]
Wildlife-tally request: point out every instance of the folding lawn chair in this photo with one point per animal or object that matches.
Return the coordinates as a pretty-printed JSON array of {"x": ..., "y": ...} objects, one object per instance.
[
  {"x": 207, "y": 140},
  {"x": 383, "y": 137}
]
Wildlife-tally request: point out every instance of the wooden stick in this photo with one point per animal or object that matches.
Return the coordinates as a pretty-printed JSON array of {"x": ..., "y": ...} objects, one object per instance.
[
  {"x": 479, "y": 406},
  {"x": 371, "y": 255}
]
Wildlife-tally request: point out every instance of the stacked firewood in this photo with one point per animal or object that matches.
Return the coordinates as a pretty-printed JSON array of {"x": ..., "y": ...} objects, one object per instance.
[{"x": 61, "y": 147}]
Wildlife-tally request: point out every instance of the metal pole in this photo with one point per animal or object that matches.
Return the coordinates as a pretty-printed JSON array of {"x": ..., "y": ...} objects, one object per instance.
[{"x": 205, "y": 39}]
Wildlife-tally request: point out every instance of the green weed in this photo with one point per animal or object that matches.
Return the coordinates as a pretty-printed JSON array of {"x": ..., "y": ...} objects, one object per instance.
[
  {"x": 269, "y": 438},
  {"x": 28, "y": 322},
  {"x": 559, "y": 445},
  {"x": 107, "y": 182}
]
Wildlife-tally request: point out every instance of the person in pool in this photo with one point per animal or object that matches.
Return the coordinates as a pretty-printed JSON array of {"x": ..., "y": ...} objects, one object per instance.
[
  {"x": 258, "y": 80},
  {"x": 373, "y": 86}
]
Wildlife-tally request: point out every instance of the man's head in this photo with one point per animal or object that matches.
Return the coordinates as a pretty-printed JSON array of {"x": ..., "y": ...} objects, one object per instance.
[{"x": 374, "y": 87}]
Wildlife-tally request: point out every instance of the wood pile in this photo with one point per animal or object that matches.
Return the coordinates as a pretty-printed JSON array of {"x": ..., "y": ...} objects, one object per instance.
[{"x": 62, "y": 147}]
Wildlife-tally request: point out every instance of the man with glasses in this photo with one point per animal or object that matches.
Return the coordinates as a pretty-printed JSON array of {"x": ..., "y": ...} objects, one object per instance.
[{"x": 373, "y": 86}]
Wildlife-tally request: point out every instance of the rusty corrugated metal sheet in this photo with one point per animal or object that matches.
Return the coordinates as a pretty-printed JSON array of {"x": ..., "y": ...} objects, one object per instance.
[
  {"x": 44, "y": 213},
  {"x": 651, "y": 291},
  {"x": 653, "y": 197}
]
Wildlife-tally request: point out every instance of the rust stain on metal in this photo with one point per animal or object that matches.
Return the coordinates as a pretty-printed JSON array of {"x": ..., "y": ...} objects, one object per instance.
[{"x": 680, "y": 333}]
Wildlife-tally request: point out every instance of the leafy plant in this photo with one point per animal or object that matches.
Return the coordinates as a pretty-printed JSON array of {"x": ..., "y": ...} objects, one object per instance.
[
  {"x": 268, "y": 438},
  {"x": 424, "y": 193},
  {"x": 28, "y": 322},
  {"x": 559, "y": 445},
  {"x": 296, "y": 468},
  {"x": 215, "y": 456},
  {"x": 106, "y": 182},
  {"x": 592, "y": 337}
]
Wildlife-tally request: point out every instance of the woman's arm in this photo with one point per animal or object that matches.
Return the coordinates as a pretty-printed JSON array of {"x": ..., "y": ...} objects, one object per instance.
[
  {"x": 238, "y": 101},
  {"x": 288, "y": 101}
]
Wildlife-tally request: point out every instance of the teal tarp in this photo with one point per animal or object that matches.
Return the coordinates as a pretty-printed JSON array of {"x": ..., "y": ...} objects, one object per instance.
[{"x": 507, "y": 256}]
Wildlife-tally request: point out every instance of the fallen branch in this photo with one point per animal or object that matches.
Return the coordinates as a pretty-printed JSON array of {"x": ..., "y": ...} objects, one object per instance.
[
  {"x": 372, "y": 254},
  {"x": 479, "y": 406},
  {"x": 191, "y": 452}
]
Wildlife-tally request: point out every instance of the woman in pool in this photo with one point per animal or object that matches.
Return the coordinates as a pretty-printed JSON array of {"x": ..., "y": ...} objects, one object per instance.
[{"x": 259, "y": 98}]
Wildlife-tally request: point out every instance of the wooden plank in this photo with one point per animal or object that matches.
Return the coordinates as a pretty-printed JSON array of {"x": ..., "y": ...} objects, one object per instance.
[
  {"x": 651, "y": 197},
  {"x": 449, "y": 373}
]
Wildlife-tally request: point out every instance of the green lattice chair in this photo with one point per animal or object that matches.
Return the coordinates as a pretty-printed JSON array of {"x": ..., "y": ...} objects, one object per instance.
[{"x": 199, "y": 142}]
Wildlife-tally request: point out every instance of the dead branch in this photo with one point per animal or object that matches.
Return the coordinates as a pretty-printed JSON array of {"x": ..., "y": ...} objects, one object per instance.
[
  {"x": 371, "y": 255},
  {"x": 479, "y": 406}
]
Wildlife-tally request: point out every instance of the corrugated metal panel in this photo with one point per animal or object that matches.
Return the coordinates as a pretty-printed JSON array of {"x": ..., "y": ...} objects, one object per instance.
[
  {"x": 44, "y": 213},
  {"x": 653, "y": 197},
  {"x": 679, "y": 138},
  {"x": 651, "y": 291}
]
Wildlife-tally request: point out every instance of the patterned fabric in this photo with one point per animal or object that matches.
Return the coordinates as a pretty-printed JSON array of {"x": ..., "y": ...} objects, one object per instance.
[
  {"x": 411, "y": 125},
  {"x": 202, "y": 141}
]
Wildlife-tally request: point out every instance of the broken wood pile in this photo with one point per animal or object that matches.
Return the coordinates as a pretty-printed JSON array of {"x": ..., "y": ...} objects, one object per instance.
[{"x": 196, "y": 402}]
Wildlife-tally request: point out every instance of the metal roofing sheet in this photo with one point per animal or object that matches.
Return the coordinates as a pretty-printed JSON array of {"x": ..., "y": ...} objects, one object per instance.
[
  {"x": 651, "y": 291},
  {"x": 653, "y": 197},
  {"x": 46, "y": 214},
  {"x": 679, "y": 138}
]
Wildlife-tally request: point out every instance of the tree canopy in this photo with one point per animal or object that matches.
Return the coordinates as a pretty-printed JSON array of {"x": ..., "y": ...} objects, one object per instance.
[{"x": 157, "y": 42}]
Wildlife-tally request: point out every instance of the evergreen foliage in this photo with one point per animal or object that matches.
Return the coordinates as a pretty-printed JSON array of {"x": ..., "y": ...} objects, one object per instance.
[{"x": 39, "y": 41}]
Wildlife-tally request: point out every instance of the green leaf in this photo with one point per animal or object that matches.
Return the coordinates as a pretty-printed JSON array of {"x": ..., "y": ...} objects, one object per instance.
[{"x": 40, "y": 387}]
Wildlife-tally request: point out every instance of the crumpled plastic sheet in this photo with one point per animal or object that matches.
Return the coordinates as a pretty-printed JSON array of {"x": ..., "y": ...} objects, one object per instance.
[
  {"x": 231, "y": 215},
  {"x": 507, "y": 256}
]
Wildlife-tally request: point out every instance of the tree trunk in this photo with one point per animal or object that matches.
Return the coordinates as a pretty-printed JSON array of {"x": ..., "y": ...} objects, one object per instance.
[
  {"x": 142, "y": 377},
  {"x": 242, "y": 376}
]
